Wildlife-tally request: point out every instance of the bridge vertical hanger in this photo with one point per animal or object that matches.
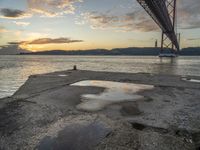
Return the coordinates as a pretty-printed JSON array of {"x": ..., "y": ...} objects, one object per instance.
[{"x": 165, "y": 42}]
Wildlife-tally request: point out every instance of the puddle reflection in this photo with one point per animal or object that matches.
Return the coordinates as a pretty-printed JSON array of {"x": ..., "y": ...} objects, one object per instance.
[
  {"x": 191, "y": 80},
  {"x": 62, "y": 75},
  {"x": 115, "y": 92}
]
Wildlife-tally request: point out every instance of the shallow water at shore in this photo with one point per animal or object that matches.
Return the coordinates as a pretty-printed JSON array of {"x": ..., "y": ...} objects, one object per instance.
[{"x": 14, "y": 70}]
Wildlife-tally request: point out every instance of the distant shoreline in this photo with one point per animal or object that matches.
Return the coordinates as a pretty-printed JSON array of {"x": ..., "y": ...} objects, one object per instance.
[
  {"x": 88, "y": 55},
  {"x": 131, "y": 51}
]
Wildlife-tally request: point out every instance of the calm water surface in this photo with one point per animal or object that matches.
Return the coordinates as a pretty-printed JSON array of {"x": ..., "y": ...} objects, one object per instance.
[{"x": 14, "y": 70}]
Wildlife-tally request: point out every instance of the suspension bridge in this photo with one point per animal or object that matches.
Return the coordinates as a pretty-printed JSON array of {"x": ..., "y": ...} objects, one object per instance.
[{"x": 163, "y": 12}]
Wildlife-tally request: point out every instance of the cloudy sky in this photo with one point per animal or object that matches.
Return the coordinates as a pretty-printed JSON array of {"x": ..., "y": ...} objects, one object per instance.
[{"x": 87, "y": 24}]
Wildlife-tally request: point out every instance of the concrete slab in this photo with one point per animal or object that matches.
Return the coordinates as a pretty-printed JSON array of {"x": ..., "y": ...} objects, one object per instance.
[{"x": 43, "y": 114}]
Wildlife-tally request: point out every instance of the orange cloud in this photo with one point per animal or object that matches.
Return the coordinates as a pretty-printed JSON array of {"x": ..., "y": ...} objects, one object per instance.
[
  {"x": 50, "y": 41},
  {"x": 133, "y": 21},
  {"x": 52, "y": 8},
  {"x": 43, "y": 43},
  {"x": 3, "y": 30}
]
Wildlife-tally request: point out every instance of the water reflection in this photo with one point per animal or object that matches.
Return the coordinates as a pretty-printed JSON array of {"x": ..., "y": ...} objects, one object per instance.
[
  {"x": 191, "y": 80},
  {"x": 166, "y": 66},
  {"x": 115, "y": 92},
  {"x": 170, "y": 60},
  {"x": 75, "y": 137},
  {"x": 62, "y": 75},
  {"x": 14, "y": 70}
]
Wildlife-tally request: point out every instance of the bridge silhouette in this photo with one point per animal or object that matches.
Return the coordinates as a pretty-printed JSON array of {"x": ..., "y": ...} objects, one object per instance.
[{"x": 163, "y": 12}]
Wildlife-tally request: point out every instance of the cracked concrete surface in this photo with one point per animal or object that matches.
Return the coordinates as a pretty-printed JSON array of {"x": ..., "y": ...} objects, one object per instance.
[{"x": 42, "y": 114}]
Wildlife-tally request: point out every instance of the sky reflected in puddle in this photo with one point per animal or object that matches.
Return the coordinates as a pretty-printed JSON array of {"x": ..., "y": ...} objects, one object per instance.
[
  {"x": 191, "y": 80},
  {"x": 115, "y": 92},
  {"x": 62, "y": 75}
]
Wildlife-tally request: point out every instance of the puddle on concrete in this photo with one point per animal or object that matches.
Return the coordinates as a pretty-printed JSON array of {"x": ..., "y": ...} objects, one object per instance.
[
  {"x": 115, "y": 92},
  {"x": 62, "y": 75},
  {"x": 76, "y": 137},
  {"x": 55, "y": 75},
  {"x": 191, "y": 80}
]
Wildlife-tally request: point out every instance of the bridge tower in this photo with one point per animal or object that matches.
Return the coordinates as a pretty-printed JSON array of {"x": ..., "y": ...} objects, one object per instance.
[{"x": 165, "y": 43}]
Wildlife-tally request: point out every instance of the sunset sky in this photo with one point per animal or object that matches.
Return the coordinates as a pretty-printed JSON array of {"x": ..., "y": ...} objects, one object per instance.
[{"x": 89, "y": 24}]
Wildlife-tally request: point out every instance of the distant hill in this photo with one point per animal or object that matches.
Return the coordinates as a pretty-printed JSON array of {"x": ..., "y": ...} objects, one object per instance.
[
  {"x": 75, "y": 52},
  {"x": 116, "y": 51},
  {"x": 11, "y": 50},
  {"x": 148, "y": 51},
  {"x": 190, "y": 51}
]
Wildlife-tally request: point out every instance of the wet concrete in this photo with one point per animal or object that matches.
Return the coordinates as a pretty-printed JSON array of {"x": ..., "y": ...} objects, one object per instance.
[
  {"x": 130, "y": 109},
  {"x": 76, "y": 137},
  {"x": 43, "y": 113}
]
